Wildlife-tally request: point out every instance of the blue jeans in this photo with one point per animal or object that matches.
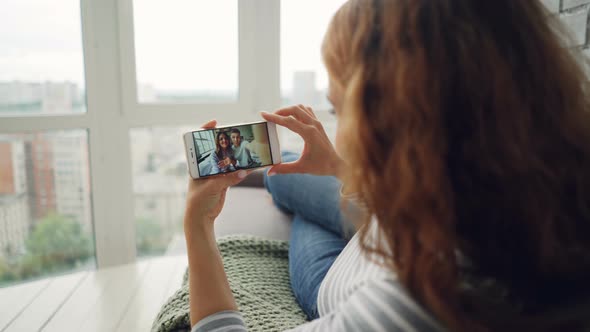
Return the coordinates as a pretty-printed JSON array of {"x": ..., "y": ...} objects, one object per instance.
[{"x": 318, "y": 232}]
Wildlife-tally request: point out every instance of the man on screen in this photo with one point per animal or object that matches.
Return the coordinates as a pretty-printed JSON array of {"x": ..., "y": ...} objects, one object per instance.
[{"x": 241, "y": 151}]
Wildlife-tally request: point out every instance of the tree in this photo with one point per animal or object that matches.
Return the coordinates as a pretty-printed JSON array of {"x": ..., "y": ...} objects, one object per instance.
[
  {"x": 56, "y": 243},
  {"x": 7, "y": 272},
  {"x": 150, "y": 237},
  {"x": 151, "y": 163},
  {"x": 30, "y": 266}
]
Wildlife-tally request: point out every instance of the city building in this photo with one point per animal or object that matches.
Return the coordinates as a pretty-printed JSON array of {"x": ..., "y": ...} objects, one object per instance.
[
  {"x": 39, "y": 161},
  {"x": 159, "y": 177},
  {"x": 71, "y": 176},
  {"x": 15, "y": 218},
  {"x": 42, "y": 172},
  {"x": 160, "y": 198},
  {"x": 304, "y": 89},
  {"x": 26, "y": 98}
]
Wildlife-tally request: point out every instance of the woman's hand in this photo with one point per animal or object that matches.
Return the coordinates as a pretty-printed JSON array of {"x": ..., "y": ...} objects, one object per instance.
[
  {"x": 318, "y": 156},
  {"x": 224, "y": 162},
  {"x": 205, "y": 197},
  {"x": 209, "y": 290}
]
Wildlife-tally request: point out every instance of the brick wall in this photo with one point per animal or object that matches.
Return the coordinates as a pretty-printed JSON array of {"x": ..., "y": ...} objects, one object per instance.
[{"x": 574, "y": 13}]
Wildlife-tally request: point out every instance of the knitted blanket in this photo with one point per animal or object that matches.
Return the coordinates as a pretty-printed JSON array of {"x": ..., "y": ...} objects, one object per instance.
[{"x": 258, "y": 274}]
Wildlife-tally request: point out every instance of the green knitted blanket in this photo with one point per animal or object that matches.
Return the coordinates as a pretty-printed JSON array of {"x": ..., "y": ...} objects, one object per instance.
[{"x": 258, "y": 274}]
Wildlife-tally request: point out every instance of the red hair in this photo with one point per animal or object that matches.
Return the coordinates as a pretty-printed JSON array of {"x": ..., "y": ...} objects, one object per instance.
[{"x": 485, "y": 119}]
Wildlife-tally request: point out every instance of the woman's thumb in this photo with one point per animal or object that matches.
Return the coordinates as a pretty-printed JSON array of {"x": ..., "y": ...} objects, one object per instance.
[{"x": 286, "y": 168}]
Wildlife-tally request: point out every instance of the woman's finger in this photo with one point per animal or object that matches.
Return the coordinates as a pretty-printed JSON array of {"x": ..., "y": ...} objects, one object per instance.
[
  {"x": 210, "y": 124},
  {"x": 223, "y": 181},
  {"x": 286, "y": 121},
  {"x": 234, "y": 178},
  {"x": 286, "y": 168},
  {"x": 297, "y": 112},
  {"x": 312, "y": 112},
  {"x": 303, "y": 113},
  {"x": 308, "y": 110}
]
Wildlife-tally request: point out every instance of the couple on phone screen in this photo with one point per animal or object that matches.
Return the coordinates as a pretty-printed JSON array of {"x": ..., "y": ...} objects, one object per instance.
[{"x": 230, "y": 152}]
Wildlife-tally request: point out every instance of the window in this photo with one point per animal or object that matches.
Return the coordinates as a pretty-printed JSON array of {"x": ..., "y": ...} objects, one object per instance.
[
  {"x": 46, "y": 234},
  {"x": 186, "y": 50},
  {"x": 160, "y": 66},
  {"x": 303, "y": 77},
  {"x": 42, "y": 73},
  {"x": 159, "y": 185},
  {"x": 203, "y": 140},
  {"x": 41, "y": 63}
]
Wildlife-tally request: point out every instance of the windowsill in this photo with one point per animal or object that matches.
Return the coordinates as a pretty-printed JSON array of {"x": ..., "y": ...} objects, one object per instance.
[{"x": 123, "y": 298}]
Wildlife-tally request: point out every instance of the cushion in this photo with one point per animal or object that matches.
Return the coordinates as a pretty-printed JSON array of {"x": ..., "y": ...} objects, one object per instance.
[{"x": 258, "y": 274}]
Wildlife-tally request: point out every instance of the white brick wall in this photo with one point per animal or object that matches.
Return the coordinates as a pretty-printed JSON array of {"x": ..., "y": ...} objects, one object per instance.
[{"x": 574, "y": 13}]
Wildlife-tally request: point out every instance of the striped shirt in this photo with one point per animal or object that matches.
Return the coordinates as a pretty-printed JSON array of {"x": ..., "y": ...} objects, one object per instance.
[{"x": 356, "y": 295}]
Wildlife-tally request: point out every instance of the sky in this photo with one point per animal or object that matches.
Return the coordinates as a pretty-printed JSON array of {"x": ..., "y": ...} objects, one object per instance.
[
  {"x": 41, "y": 40},
  {"x": 179, "y": 44}
]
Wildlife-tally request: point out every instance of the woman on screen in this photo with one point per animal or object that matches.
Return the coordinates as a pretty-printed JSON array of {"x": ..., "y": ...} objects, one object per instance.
[{"x": 223, "y": 159}]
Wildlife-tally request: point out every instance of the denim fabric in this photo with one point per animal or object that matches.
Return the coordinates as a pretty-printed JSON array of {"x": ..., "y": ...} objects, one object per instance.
[{"x": 318, "y": 232}]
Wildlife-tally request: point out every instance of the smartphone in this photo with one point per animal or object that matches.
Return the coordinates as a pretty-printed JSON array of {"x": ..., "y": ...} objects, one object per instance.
[{"x": 222, "y": 150}]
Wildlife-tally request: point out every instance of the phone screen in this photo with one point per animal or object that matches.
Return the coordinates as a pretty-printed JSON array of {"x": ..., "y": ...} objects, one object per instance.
[{"x": 228, "y": 149}]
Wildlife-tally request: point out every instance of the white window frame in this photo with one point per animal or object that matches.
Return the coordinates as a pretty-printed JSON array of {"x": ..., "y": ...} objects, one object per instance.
[{"x": 113, "y": 110}]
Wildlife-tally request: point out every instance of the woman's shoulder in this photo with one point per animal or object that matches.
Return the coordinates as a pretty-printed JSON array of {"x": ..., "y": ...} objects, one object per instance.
[
  {"x": 379, "y": 302},
  {"x": 390, "y": 297}
]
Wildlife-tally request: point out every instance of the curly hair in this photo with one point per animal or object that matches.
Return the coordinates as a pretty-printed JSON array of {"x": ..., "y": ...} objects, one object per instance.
[{"x": 485, "y": 117}]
